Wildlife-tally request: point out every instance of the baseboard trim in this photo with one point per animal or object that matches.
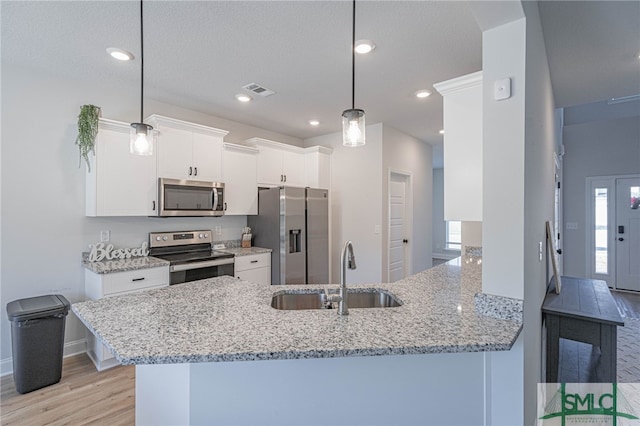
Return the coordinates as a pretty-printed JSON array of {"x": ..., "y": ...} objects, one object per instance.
[{"x": 70, "y": 348}]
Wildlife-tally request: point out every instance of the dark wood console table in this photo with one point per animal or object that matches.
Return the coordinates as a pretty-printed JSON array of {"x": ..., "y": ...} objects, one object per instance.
[{"x": 586, "y": 312}]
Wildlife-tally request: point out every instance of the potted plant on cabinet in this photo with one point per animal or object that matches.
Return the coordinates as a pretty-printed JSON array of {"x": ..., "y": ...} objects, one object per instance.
[{"x": 87, "y": 131}]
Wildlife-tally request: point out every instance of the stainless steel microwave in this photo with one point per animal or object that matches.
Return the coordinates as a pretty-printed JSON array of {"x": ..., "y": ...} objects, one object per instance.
[{"x": 190, "y": 198}]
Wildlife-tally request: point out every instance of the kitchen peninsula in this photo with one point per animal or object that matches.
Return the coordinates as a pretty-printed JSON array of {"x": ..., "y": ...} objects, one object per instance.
[{"x": 216, "y": 352}]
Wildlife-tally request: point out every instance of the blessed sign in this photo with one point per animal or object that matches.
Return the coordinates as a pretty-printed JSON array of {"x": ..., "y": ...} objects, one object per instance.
[{"x": 101, "y": 252}]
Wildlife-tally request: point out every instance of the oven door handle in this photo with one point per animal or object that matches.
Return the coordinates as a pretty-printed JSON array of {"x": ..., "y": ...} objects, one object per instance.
[{"x": 205, "y": 264}]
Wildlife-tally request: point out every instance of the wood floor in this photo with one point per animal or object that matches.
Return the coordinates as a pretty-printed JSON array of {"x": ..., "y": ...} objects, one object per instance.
[{"x": 82, "y": 397}]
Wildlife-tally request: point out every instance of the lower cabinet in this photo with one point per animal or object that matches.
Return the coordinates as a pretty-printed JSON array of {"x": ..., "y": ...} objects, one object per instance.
[
  {"x": 255, "y": 268},
  {"x": 98, "y": 286}
]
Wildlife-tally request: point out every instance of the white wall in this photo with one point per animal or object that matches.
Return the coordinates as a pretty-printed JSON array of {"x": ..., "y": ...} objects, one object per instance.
[
  {"x": 471, "y": 234},
  {"x": 439, "y": 226},
  {"x": 408, "y": 155},
  {"x": 359, "y": 185},
  {"x": 597, "y": 148},
  {"x": 539, "y": 188},
  {"x": 44, "y": 229},
  {"x": 503, "y": 55},
  {"x": 356, "y": 197},
  {"x": 503, "y": 125}
]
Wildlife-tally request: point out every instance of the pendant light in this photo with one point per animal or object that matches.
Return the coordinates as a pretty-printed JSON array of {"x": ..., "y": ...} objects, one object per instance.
[
  {"x": 353, "y": 119},
  {"x": 142, "y": 136}
]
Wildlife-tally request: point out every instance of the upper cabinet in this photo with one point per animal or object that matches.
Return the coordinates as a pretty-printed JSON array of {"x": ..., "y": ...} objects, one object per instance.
[
  {"x": 188, "y": 150},
  {"x": 239, "y": 175},
  {"x": 462, "y": 110},
  {"x": 287, "y": 165},
  {"x": 279, "y": 164},
  {"x": 119, "y": 183},
  {"x": 317, "y": 167}
]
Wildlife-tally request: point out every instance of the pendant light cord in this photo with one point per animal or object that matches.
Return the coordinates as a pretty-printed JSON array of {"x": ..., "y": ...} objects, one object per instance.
[
  {"x": 353, "y": 59},
  {"x": 141, "y": 65}
]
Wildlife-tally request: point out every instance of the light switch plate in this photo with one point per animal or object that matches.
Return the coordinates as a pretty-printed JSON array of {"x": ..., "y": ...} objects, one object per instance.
[
  {"x": 105, "y": 236},
  {"x": 502, "y": 89},
  {"x": 572, "y": 225}
]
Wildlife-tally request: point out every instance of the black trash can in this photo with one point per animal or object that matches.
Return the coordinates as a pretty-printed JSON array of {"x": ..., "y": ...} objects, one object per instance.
[{"x": 37, "y": 340}]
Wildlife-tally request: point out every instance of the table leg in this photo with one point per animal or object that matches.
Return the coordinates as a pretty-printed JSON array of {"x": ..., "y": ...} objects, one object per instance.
[
  {"x": 608, "y": 353},
  {"x": 553, "y": 347}
]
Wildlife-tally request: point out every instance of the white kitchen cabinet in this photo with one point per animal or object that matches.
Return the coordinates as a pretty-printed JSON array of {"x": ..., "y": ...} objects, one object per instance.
[
  {"x": 279, "y": 164},
  {"x": 462, "y": 109},
  {"x": 255, "y": 268},
  {"x": 239, "y": 175},
  {"x": 119, "y": 183},
  {"x": 188, "y": 150},
  {"x": 317, "y": 165},
  {"x": 98, "y": 286},
  {"x": 287, "y": 165}
]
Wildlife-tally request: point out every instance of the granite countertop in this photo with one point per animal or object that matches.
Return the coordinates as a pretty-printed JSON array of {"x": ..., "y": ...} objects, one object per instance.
[
  {"x": 239, "y": 251},
  {"x": 225, "y": 319},
  {"x": 132, "y": 264},
  {"x": 135, "y": 263}
]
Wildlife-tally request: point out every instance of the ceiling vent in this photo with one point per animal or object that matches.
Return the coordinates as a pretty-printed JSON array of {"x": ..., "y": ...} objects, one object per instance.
[{"x": 258, "y": 90}]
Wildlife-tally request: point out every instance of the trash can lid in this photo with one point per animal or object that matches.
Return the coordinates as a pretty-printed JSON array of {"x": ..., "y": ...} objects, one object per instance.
[{"x": 37, "y": 307}]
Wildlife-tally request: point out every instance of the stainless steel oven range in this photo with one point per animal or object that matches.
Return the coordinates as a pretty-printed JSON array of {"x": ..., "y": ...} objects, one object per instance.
[{"x": 190, "y": 255}]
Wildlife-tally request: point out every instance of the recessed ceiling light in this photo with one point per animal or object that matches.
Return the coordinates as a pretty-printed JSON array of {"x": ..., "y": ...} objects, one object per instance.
[
  {"x": 243, "y": 98},
  {"x": 364, "y": 46},
  {"x": 119, "y": 54},
  {"x": 441, "y": 131},
  {"x": 314, "y": 122},
  {"x": 422, "y": 94}
]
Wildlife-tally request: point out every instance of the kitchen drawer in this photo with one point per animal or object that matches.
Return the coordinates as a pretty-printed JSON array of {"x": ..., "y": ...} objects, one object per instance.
[
  {"x": 129, "y": 281},
  {"x": 243, "y": 263}
]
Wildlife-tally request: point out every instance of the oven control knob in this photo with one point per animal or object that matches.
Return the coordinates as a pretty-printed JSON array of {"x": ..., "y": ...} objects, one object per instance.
[
  {"x": 206, "y": 235},
  {"x": 165, "y": 238},
  {"x": 158, "y": 238},
  {"x": 201, "y": 236}
]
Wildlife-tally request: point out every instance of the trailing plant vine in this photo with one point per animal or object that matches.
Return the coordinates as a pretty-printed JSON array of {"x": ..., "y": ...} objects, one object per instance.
[{"x": 87, "y": 131}]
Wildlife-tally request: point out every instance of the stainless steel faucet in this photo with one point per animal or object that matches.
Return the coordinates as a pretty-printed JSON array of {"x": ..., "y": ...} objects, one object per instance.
[{"x": 346, "y": 256}]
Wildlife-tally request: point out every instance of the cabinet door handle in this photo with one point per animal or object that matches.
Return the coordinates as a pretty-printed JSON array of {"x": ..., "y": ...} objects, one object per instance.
[
  {"x": 285, "y": 178},
  {"x": 225, "y": 205},
  {"x": 153, "y": 204},
  {"x": 195, "y": 171},
  {"x": 137, "y": 279},
  {"x": 190, "y": 170},
  {"x": 254, "y": 261},
  {"x": 281, "y": 177}
]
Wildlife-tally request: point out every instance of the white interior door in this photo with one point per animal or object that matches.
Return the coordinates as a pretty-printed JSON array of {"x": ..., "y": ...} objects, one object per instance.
[
  {"x": 628, "y": 234},
  {"x": 398, "y": 229}
]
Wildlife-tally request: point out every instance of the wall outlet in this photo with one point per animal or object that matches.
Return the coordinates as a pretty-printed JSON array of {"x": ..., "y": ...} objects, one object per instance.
[
  {"x": 376, "y": 229},
  {"x": 572, "y": 225},
  {"x": 218, "y": 230},
  {"x": 105, "y": 236}
]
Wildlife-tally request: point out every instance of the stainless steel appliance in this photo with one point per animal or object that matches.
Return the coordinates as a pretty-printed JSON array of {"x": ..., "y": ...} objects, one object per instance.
[
  {"x": 190, "y": 198},
  {"x": 190, "y": 255},
  {"x": 294, "y": 223}
]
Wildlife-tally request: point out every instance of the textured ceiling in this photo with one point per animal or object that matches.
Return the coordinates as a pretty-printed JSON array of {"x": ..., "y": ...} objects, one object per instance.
[
  {"x": 593, "y": 49},
  {"x": 199, "y": 54}
]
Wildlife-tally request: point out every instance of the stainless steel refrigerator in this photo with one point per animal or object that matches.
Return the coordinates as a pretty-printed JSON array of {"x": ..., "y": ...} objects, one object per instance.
[{"x": 294, "y": 223}]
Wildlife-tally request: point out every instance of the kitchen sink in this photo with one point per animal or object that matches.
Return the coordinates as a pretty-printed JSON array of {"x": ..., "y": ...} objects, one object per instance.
[{"x": 317, "y": 299}]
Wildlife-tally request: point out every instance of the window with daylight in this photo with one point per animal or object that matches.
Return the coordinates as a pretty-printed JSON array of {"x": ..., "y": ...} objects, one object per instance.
[
  {"x": 454, "y": 235},
  {"x": 601, "y": 230}
]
